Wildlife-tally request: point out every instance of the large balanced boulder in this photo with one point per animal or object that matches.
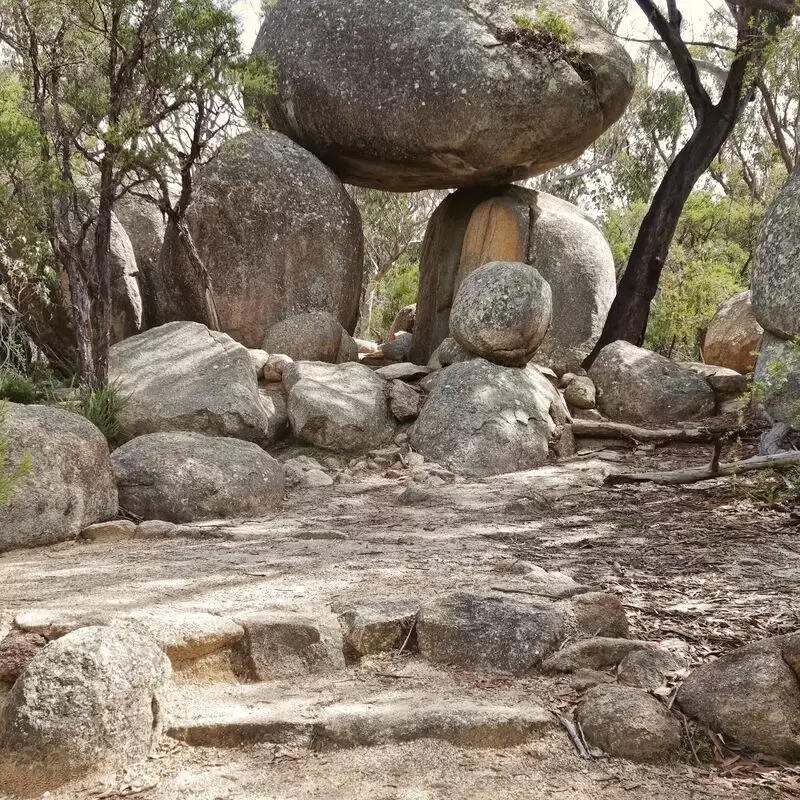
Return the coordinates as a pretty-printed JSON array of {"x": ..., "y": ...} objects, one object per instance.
[
  {"x": 473, "y": 227},
  {"x": 777, "y": 379},
  {"x": 751, "y": 696},
  {"x": 184, "y": 377},
  {"x": 278, "y": 235},
  {"x": 69, "y": 484},
  {"x": 775, "y": 280},
  {"x": 440, "y": 93},
  {"x": 88, "y": 701},
  {"x": 315, "y": 336},
  {"x": 502, "y": 312},
  {"x": 185, "y": 477},
  {"x": 733, "y": 336},
  {"x": 636, "y": 385},
  {"x": 338, "y": 407},
  {"x": 482, "y": 419}
]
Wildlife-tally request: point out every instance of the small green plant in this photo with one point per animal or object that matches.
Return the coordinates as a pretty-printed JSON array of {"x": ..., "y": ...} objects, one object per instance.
[
  {"x": 547, "y": 25},
  {"x": 102, "y": 406},
  {"x": 9, "y": 475},
  {"x": 772, "y": 488},
  {"x": 16, "y": 387},
  {"x": 776, "y": 383}
]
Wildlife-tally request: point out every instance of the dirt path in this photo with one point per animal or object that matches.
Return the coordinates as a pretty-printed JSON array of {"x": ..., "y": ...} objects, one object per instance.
[{"x": 700, "y": 564}]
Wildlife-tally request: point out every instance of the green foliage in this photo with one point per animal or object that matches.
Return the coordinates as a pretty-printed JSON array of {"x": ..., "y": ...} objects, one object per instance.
[
  {"x": 547, "y": 24},
  {"x": 708, "y": 263},
  {"x": 102, "y": 406},
  {"x": 9, "y": 474},
  {"x": 398, "y": 288},
  {"x": 258, "y": 78},
  {"x": 771, "y": 488},
  {"x": 16, "y": 387},
  {"x": 774, "y": 378}
]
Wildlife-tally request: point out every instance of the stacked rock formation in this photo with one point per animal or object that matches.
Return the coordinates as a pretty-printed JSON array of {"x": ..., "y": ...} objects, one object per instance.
[{"x": 775, "y": 288}]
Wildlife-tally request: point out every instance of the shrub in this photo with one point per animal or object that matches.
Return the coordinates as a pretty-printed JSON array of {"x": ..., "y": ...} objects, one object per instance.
[
  {"x": 102, "y": 407},
  {"x": 16, "y": 387},
  {"x": 547, "y": 24}
]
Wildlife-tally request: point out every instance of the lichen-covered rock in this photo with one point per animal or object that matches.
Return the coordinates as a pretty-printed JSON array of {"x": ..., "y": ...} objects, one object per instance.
[
  {"x": 502, "y": 312},
  {"x": 733, "y": 335},
  {"x": 474, "y": 227},
  {"x": 482, "y": 419},
  {"x": 342, "y": 407},
  {"x": 86, "y": 702},
  {"x": 314, "y": 336},
  {"x": 187, "y": 477},
  {"x": 629, "y": 723},
  {"x": 278, "y": 234},
  {"x": 580, "y": 393},
  {"x": 184, "y": 377},
  {"x": 69, "y": 484},
  {"x": 751, "y": 696},
  {"x": 439, "y": 94},
  {"x": 777, "y": 379},
  {"x": 775, "y": 281},
  {"x": 636, "y": 385}
]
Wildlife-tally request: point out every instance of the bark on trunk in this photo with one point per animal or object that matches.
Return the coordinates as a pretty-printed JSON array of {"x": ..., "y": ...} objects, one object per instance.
[{"x": 629, "y": 313}]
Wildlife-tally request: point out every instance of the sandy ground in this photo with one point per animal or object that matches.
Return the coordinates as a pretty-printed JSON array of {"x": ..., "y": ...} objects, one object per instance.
[{"x": 701, "y": 563}]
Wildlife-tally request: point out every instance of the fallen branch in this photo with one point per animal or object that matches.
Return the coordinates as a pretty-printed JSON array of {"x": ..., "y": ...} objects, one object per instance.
[
  {"x": 574, "y": 735},
  {"x": 697, "y": 474},
  {"x": 635, "y": 434}
]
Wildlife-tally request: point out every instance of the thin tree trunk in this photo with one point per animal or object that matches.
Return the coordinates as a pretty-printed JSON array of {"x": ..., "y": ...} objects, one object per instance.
[
  {"x": 189, "y": 247},
  {"x": 71, "y": 259},
  {"x": 629, "y": 313}
]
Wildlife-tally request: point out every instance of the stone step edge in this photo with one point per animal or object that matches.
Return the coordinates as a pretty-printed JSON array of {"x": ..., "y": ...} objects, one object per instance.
[{"x": 364, "y": 725}]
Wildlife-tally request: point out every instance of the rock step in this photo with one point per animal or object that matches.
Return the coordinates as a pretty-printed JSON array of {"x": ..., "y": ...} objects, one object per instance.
[{"x": 264, "y": 713}]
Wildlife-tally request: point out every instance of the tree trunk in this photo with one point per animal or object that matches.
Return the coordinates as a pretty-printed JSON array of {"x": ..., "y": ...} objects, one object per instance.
[
  {"x": 187, "y": 242},
  {"x": 100, "y": 276},
  {"x": 629, "y": 313}
]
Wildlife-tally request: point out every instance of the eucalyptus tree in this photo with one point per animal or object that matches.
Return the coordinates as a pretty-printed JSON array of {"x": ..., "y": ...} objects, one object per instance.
[
  {"x": 758, "y": 23},
  {"x": 111, "y": 86}
]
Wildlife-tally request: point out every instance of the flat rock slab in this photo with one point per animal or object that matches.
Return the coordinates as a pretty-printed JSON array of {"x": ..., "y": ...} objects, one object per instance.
[
  {"x": 263, "y": 713},
  {"x": 404, "y": 371},
  {"x": 490, "y": 633},
  {"x": 183, "y": 635}
]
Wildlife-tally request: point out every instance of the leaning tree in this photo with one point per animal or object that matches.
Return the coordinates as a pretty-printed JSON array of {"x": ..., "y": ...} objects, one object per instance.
[{"x": 758, "y": 22}]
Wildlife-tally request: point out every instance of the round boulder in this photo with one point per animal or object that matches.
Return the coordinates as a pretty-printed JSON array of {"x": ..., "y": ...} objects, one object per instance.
[
  {"x": 441, "y": 93},
  {"x": 186, "y": 477},
  {"x": 278, "y": 235},
  {"x": 629, "y": 723},
  {"x": 88, "y": 701},
  {"x": 733, "y": 336},
  {"x": 502, "y": 312},
  {"x": 338, "y": 407},
  {"x": 184, "y": 377},
  {"x": 482, "y": 419},
  {"x": 775, "y": 280},
  {"x": 636, "y": 385},
  {"x": 315, "y": 336},
  {"x": 69, "y": 484},
  {"x": 473, "y": 227}
]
